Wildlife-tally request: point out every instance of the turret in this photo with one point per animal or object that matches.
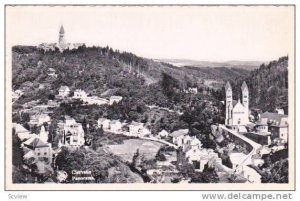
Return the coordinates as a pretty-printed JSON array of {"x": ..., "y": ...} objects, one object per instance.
[
  {"x": 245, "y": 96},
  {"x": 228, "y": 92},
  {"x": 61, "y": 40}
]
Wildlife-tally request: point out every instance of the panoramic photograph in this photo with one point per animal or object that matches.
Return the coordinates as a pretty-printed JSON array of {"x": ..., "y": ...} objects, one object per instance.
[{"x": 164, "y": 95}]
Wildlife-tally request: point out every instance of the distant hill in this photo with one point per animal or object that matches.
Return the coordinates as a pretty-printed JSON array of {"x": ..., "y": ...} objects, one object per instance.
[{"x": 247, "y": 65}]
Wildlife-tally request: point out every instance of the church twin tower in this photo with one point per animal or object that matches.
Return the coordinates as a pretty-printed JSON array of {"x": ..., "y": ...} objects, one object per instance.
[{"x": 237, "y": 113}]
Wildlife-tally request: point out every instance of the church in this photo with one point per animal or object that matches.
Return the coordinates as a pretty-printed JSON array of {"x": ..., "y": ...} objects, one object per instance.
[{"x": 237, "y": 112}]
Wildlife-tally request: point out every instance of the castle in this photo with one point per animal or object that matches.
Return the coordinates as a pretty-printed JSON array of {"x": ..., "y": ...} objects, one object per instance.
[
  {"x": 237, "y": 112},
  {"x": 62, "y": 44}
]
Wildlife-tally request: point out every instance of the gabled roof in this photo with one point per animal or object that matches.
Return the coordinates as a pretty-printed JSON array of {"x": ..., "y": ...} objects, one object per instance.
[
  {"x": 35, "y": 142},
  {"x": 64, "y": 88},
  {"x": 227, "y": 86},
  {"x": 103, "y": 120},
  {"x": 244, "y": 86},
  {"x": 275, "y": 119},
  {"x": 20, "y": 129},
  {"x": 163, "y": 132},
  {"x": 136, "y": 124},
  {"x": 179, "y": 132}
]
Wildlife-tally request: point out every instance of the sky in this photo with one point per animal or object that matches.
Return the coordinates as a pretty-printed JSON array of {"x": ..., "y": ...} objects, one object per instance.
[{"x": 203, "y": 33}]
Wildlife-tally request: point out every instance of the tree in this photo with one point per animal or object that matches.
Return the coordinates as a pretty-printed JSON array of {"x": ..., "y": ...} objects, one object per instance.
[
  {"x": 208, "y": 175},
  {"x": 160, "y": 155},
  {"x": 17, "y": 151},
  {"x": 277, "y": 173}
]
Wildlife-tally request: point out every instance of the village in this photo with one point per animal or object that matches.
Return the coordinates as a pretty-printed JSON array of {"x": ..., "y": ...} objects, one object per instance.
[
  {"x": 240, "y": 149},
  {"x": 245, "y": 142}
]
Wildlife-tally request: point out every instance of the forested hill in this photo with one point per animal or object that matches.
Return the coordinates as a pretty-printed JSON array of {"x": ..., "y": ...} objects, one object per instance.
[
  {"x": 268, "y": 85},
  {"x": 96, "y": 69}
]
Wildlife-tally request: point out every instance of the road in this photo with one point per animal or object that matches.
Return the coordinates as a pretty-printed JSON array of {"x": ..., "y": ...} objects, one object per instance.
[{"x": 249, "y": 173}]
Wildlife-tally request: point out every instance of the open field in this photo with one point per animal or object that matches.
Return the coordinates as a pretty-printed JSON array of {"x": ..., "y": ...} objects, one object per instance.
[{"x": 127, "y": 150}]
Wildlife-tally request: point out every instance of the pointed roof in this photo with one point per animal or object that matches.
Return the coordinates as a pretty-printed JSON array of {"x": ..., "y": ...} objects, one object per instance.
[
  {"x": 35, "y": 142},
  {"x": 244, "y": 86},
  {"x": 227, "y": 86},
  {"x": 62, "y": 30},
  {"x": 20, "y": 129}
]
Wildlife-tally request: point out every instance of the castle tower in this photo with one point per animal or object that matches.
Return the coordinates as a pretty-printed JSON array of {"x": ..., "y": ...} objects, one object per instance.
[
  {"x": 228, "y": 92},
  {"x": 245, "y": 96},
  {"x": 61, "y": 40}
]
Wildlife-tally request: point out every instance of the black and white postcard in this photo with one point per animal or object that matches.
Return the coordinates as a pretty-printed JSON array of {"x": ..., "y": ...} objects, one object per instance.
[{"x": 150, "y": 97}]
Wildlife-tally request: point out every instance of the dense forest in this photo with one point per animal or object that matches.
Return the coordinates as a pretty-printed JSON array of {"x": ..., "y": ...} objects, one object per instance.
[
  {"x": 268, "y": 85},
  {"x": 141, "y": 81}
]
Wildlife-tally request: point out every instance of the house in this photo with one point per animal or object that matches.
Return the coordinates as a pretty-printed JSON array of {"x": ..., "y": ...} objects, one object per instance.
[
  {"x": 279, "y": 111},
  {"x": 63, "y": 91},
  {"x": 104, "y": 123},
  {"x": 260, "y": 133},
  {"x": 177, "y": 136},
  {"x": 199, "y": 157},
  {"x": 94, "y": 100},
  {"x": 79, "y": 94},
  {"x": 137, "y": 129},
  {"x": 42, "y": 151},
  {"x": 115, "y": 126},
  {"x": 263, "y": 150},
  {"x": 39, "y": 119},
  {"x": 163, "y": 134},
  {"x": 72, "y": 132},
  {"x": 257, "y": 160},
  {"x": 191, "y": 90},
  {"x": 115, "y": 99},
  {"x": 16, "y": 94},
  {"x": 52, "y": 103},
  {"x": 277, "y": 125},
  {"x": 21, "y": 132}
]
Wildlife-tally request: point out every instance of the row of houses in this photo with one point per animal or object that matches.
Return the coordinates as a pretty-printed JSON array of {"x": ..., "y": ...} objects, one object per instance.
[
  {"x": 135, "y": 129},
  {"x": 80, "y": 94},
  {"x": 35, "y": 146},
  {"x": 191, "y": 151},
  {"x": 269, "y": 127}
]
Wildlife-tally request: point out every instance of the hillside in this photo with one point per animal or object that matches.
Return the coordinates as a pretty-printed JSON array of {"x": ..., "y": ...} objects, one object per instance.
[
  {"x": 268, "y": 85},
  {"x": 97, "y": 69}
]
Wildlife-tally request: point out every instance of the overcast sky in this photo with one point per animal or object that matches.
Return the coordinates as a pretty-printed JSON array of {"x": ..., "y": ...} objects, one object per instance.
[{"x": 198, "y": 33}]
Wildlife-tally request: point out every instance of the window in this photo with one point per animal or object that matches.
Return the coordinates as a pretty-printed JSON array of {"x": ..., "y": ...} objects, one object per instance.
[
  {"x": 45, "y": 153},
  {"x": 38, "y": 154}
]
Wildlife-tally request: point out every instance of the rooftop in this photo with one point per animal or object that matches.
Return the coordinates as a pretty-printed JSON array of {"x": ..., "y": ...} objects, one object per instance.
[{"x": 179, "y": 132}]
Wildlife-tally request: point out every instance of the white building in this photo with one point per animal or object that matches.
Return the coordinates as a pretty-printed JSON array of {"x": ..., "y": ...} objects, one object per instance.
[
  {"x": 104, "y": 123},
  {"x": 178, "y": 136},
  {"x": 42, "y": 151},
  {"x": 163, "y": 134},
  {"x": 79, "y": 94},
  {"x": 95, "y": 100},
  {"x": 237, "y": 112},
  {"x": 199, "y": 157},
  {"x": 137, "y": 129},
  {"x": 115, "y": 99},
  {"x": 72, "y": 132},
  {"x": 21, "y": 132},
  {"x": 115, "y": 126},
  {"x": 63, "y": 91},
  {"x": 39, "y": 119}
]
